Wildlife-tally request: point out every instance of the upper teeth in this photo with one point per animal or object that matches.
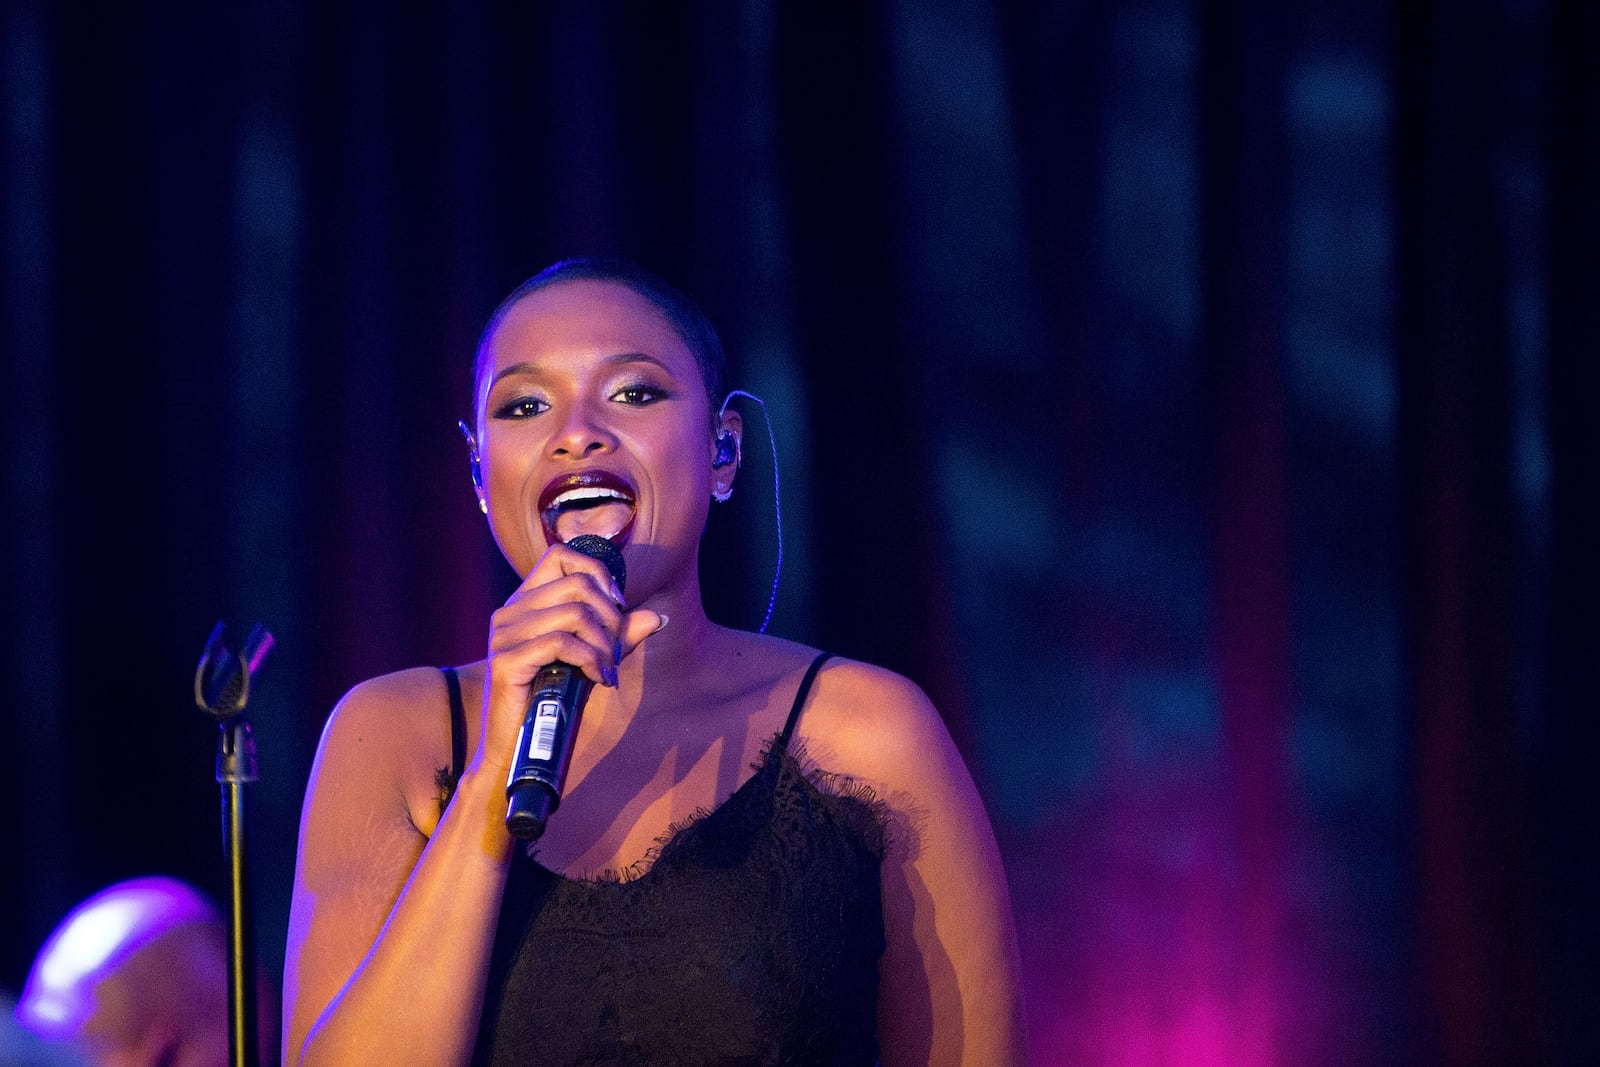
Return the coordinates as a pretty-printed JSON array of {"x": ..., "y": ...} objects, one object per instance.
[{"x": 572, "y": 496}]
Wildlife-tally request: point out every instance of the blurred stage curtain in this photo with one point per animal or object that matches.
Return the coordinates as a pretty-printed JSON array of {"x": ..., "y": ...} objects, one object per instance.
[{"x": 1198, "y": 400}]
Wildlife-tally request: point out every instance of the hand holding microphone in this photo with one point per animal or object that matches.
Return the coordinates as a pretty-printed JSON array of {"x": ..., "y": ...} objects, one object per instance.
[{"x": 550, "y": 725}]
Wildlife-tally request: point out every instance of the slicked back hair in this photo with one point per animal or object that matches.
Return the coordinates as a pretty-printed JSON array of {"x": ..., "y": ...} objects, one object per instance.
[{"x": 691, "y": 324}]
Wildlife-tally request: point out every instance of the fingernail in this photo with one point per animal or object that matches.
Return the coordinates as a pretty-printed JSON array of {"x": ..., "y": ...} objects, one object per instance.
[
  {"x": 662, "y": 625},
  {"x": 609, "y": 676},
  {"x": 616, "y": 594},
  {"x": 616, "y": 652}
]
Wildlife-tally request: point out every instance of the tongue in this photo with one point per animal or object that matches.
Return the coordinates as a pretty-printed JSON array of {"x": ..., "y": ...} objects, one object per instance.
[{"x": 604, "y": 520}]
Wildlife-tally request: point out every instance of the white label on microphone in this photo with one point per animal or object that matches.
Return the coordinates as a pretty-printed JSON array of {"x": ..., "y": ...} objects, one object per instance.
[{"x": 547, "y": 716}]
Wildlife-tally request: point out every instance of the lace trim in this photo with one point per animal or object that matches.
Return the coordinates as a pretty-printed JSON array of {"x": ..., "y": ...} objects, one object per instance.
[{"x": 871, "y": 824}]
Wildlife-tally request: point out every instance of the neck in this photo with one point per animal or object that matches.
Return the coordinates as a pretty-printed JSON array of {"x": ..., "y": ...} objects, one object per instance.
[{"x": 685, "y": 646}]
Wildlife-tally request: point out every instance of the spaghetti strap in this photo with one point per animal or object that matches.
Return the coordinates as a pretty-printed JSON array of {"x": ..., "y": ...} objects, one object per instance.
[
  {"x": 800, "y": 696},
  {"x": 458, "y": 723}
]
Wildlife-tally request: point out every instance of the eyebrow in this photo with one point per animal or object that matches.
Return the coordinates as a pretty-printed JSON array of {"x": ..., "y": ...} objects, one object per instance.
[{"x": 617, "y": 360}]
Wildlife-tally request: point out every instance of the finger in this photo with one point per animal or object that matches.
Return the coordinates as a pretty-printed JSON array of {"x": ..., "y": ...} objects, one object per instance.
[
  {"x": 560, "y": 561},
  {"x": 598, "y": 623},
  {"x": 553, "y": 579},
  {"x": 513, "y": 670},
  {"x": 507, "y": 691},
  {"x": 519, "y": 634},
  {"x": 638, "y": 625}
]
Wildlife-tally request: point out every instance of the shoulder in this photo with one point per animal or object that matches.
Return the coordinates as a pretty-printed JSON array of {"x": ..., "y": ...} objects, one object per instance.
[
  {"x": 387, "y": 737},
  {"x": 387, "y": 709},
  {"x": 870, "y": 723}
]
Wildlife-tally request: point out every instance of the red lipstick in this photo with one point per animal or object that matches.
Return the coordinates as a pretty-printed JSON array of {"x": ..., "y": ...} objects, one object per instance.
[{"x": 593, "y": 501}]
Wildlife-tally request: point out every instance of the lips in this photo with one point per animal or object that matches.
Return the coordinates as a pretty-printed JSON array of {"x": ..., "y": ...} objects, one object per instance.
[{"x": 587, "y": 502}]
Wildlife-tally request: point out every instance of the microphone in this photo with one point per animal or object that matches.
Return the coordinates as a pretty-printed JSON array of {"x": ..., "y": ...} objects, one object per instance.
[{"x": 544, "y": 745}]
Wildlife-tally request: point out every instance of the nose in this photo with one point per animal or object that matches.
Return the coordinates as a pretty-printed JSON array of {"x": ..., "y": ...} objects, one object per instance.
[{"x": 582, "y": 432}]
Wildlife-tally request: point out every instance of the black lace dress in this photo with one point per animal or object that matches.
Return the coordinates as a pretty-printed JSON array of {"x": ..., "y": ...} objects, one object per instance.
[{"x": 753, "y": 937}]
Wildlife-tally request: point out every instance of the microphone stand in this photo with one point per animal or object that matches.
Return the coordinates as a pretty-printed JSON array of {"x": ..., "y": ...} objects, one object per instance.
[{"x": 221, "y": 689}]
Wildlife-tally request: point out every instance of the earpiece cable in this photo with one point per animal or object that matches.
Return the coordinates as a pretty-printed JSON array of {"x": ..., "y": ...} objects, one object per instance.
[{"x": 777, "y": 498}]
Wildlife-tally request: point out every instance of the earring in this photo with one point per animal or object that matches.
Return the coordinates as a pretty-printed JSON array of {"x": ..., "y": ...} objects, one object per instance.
[{"x": 483, "y": 505}]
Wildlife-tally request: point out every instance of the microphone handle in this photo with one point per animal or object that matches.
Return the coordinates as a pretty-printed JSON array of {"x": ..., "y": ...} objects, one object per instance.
[{"x": 544, "y": 747}]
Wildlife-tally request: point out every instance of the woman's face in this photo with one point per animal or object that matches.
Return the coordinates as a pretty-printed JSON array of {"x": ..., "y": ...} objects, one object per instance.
[{"x": 592, "y": 418}]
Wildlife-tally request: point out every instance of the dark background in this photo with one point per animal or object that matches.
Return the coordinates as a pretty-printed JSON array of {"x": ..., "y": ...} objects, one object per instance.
[{"x": 1197, "y": 400}]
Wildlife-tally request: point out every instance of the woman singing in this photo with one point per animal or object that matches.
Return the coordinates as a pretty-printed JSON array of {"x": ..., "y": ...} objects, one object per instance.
[{"x": 762, "y": 854}]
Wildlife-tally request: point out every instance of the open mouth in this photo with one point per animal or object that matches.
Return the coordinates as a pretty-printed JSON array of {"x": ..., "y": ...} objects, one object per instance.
[{"x": 587, "y": 502}]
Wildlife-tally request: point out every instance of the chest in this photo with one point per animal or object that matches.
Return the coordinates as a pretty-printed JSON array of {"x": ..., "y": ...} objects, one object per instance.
[
  {"x": 621, "y": 800},
  {"x": 753, "y": 937}
]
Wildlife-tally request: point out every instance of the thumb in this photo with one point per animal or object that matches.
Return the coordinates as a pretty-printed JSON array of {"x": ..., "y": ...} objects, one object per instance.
[{"x": 638, "y": 625}]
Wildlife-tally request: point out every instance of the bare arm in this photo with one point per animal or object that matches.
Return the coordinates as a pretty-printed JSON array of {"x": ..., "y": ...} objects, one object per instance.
[
  {"x": 949, "y": 987},
  {"x": 389, "y": 933},
  {"x": 390, "y": 930}
]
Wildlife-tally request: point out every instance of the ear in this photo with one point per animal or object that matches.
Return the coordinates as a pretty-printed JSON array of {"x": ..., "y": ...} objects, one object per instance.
[
  {"x": 476, "y": 464},
  {"x": 725, "y": 453}
]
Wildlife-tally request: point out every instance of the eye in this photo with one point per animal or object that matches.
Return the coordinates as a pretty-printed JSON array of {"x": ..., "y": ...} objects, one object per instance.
[
  {"x": 522, "y": 407},
  {"x": 639, "y": 394}
]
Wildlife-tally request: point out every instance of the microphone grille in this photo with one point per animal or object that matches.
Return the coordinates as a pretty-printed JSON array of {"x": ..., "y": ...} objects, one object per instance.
[{"x": 596, "y": 547}]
